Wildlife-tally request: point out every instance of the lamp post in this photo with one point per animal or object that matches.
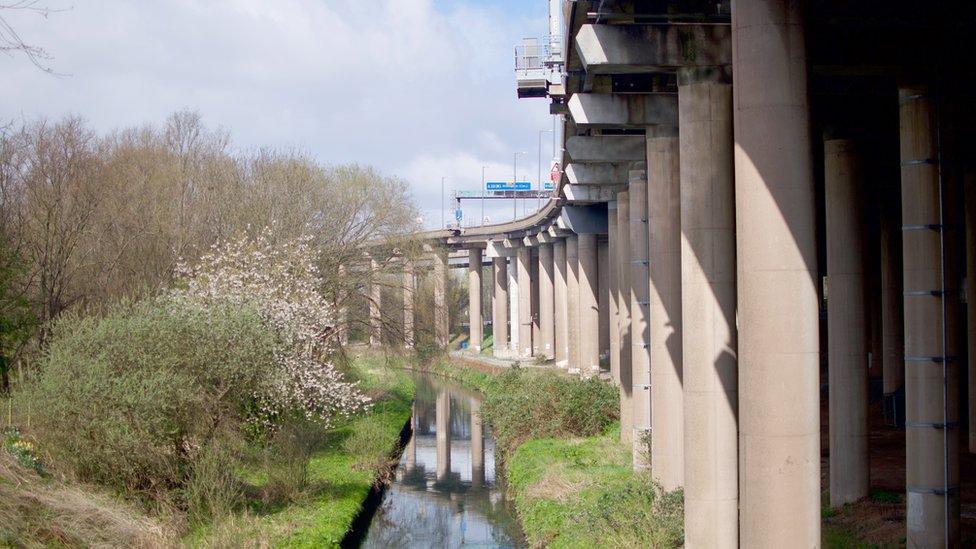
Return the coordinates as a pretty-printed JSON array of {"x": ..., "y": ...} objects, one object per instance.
[
  {"x": 443, "y": 219},
  {"x": 483, "y": 193},
  {"x": 538, "y": 205},
  {"x": 514, "y": 181}
]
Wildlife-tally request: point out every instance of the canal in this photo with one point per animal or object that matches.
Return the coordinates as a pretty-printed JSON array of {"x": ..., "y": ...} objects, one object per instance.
[{"x": 446, "y": 492}]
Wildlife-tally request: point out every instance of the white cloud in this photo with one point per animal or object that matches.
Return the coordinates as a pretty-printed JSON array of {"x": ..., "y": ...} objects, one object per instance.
[{"x": 420, "y": 89}]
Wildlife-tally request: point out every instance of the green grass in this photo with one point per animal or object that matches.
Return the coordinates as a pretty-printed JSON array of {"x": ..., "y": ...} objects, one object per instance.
[
  {"x": 584, "y": 493},
  {"x": 340, "y": 474}
]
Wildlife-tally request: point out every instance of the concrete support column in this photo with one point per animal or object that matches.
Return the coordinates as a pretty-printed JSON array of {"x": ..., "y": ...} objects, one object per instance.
[
  {"x": 708, "y": 301},
  {"x": 623, "y": 318},
  {"x": 514, "y": 332},
  {"x": 778, "y": 314},
  {"x": 546, "y": 302},
  {"x": 499, "y": 305},
  {"x": 603, "y": 306},
  {"x": 639, "y": 315},
  {"x": 375, "y": 298},
  {"x": 477, "y": 444},
  {"x": 573, "y": 303},
  {"x": 441, "y": 315},
  {"x": 560, "y": 304},
  {"x": 892, "y": 301},
  {"x": 475, "y": 336},
  {"x": 589, "y": 315},
  {"x": 613, "y": 264},
  {"x": 931, "y": 381},
  {"x": 971, "y": 303},
  {"x": 442, "y": 413},
  {"x": 664, "y": 253},
  {"x": 524, "y": 261},
  {"x": 408, "y": 292},
  {"x": 342, "y": 319},
  {"x": 534, "y": 301},
  {"x": 847, "y": 345}
]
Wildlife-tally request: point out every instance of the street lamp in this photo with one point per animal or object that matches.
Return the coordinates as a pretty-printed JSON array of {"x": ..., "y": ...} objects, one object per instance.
[
  {"x": 538, "y": 205},
  {"x": 483, "y": 193},
  {"x": 443, "y": 219},
  {"x": 514, "y": 181}
]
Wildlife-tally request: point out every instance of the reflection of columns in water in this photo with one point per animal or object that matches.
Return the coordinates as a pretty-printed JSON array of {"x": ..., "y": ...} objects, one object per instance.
[
  {"x": 411, "y": 450},
  {"x": 477, "y": 444},
  {"x": 443, "y": 418}
]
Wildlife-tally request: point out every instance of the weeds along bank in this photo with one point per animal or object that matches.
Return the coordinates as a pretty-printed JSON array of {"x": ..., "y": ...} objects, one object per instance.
[
  {"x": 215, "y": 413},
  {"x": 570, "y": 478}
]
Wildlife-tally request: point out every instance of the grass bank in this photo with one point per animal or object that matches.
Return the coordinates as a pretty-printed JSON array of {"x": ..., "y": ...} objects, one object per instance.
[{"x": 342, "y": 470}]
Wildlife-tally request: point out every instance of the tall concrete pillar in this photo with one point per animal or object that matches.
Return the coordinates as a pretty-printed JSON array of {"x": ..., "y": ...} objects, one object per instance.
[
  {"x": 342, "y": 319},
  {"x": 931, "y": 381},
  {"x": 708, "y": 302},
  {"x": 892, "y": 300},
  {"x": 499, "y": 305},
  {"x": 474, "y": 300},
  {"x": 603, "y": 306},
  {"x": 524, "y": 260},
  {"x": 561, "y": 305},
  {"x": 639, "y": 315},
  {"x": 513, "y": 307},
  {"x": 442, "y": 413},
  {"x": 547, "y": 302},
  {"x": 623, "y": 318},
  {"x": 408, "y": 292},
  {"x": 778, "y": 314},
  {"x": 613, "y": 264},
  {"x": 441, "y": 314},
  {"x": 664, "y": 252},
  {"x": 534, "y": 301},
  {"x": 847, "y": 345},
  {"x": 971, "y": 303},
  {"x": 375, "y": 297},
  {"x": 477, "y": 444},
  {"x": 589, "y": 316},
  {"x": 573, "y": 303}
]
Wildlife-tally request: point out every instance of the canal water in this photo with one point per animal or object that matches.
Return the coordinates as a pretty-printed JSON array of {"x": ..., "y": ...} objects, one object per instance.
[{"x": 446, "y": 492}]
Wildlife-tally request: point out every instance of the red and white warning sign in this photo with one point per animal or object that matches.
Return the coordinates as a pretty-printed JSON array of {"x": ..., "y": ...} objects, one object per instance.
[{"x": 557, "y": 173}]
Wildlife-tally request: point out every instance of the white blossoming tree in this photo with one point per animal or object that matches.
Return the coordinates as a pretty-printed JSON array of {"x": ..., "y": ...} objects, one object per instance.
[{"x": 282, "y": 282}]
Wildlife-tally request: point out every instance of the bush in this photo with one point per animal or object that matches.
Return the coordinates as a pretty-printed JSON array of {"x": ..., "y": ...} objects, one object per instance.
[
  {"x": 634, "y": 513},
  {"x": 135, "y": 399},
  {"x": 522, "y": 405}
]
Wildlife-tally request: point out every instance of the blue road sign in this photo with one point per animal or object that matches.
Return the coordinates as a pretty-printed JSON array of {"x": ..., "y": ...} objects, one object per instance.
[
  {"x": 458, "y": 215},
  {"x": 506, "y": 186}
]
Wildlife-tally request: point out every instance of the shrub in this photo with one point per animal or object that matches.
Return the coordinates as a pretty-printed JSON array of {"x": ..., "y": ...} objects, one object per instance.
[
  {"x": 135, "y": 398},
  {"x": 634, "y": 513},
  {"x": 522, "y": 405}
]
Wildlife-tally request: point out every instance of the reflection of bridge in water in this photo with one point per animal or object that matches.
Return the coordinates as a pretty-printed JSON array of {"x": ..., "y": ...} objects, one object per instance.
[{"x": 445, "y": 493}]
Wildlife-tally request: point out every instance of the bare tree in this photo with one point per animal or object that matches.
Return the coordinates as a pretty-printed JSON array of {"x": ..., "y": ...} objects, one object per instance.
[{"x": 10, "y": 40}]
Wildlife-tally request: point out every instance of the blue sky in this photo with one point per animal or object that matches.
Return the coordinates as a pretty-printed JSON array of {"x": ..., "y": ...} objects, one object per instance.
[{"x": 419, "y": 88}]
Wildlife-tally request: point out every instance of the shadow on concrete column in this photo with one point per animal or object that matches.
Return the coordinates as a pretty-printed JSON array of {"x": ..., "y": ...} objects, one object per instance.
[
  {"x": 613, "y": 266},
  {"x": 623, "y": 318}
]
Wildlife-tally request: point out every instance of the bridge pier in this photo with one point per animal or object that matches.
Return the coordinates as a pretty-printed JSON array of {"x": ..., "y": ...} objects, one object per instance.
[
  {"x": 931, "y": 376},
  {"x": 777, "y": 279},
  {"x": 971, "y": 302},
  {"x": 624, "y": 263},
  {"x": 892, "y": 305},
  {"x": 546, "y": 302},
  {"x": 475, "y": 325},
  {"x": 408, "y": 293},
  {"x": 523, "y": 266},
  {"x": 664, "y": 253},
  {"x": 845, "y": 176},
  {"x": 441, "y": 313},
  {"x": 639, "y": 315},
  {"x": 613, "y": 264},
  {"x": 514, "y": 331},
  {"x": 573, "y": 304},
  {"x": 375, "y": 299},
  {"x": 499, "y": 304},
  {"x": 342, "y": 311},
  {"x": 589, "y": 316},
  {"x": 560, "y": 303}
]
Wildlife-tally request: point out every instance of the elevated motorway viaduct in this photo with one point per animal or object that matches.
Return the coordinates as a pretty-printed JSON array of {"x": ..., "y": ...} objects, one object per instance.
[{"x": 766, "y": 205}]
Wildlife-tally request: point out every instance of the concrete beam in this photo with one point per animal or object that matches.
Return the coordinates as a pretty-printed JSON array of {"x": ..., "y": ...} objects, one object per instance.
[
  {"x": 586, "y": 219},
  {"x": 591, "y": 193},
  {"x": 597, "y": 174},
  {"x": 601, "y": 110},
  {"x": 589, "y": 149},
  {"x": 615, "y": 49},
  {"x": 496, "y": 248}
]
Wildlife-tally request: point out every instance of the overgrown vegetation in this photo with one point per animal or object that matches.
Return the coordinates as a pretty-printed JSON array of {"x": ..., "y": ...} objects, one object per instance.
[{"x": 526, "y": 404}]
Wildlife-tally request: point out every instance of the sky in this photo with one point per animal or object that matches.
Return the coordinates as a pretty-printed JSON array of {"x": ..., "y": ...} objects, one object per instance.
[{"x": 420, "y": 89}]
